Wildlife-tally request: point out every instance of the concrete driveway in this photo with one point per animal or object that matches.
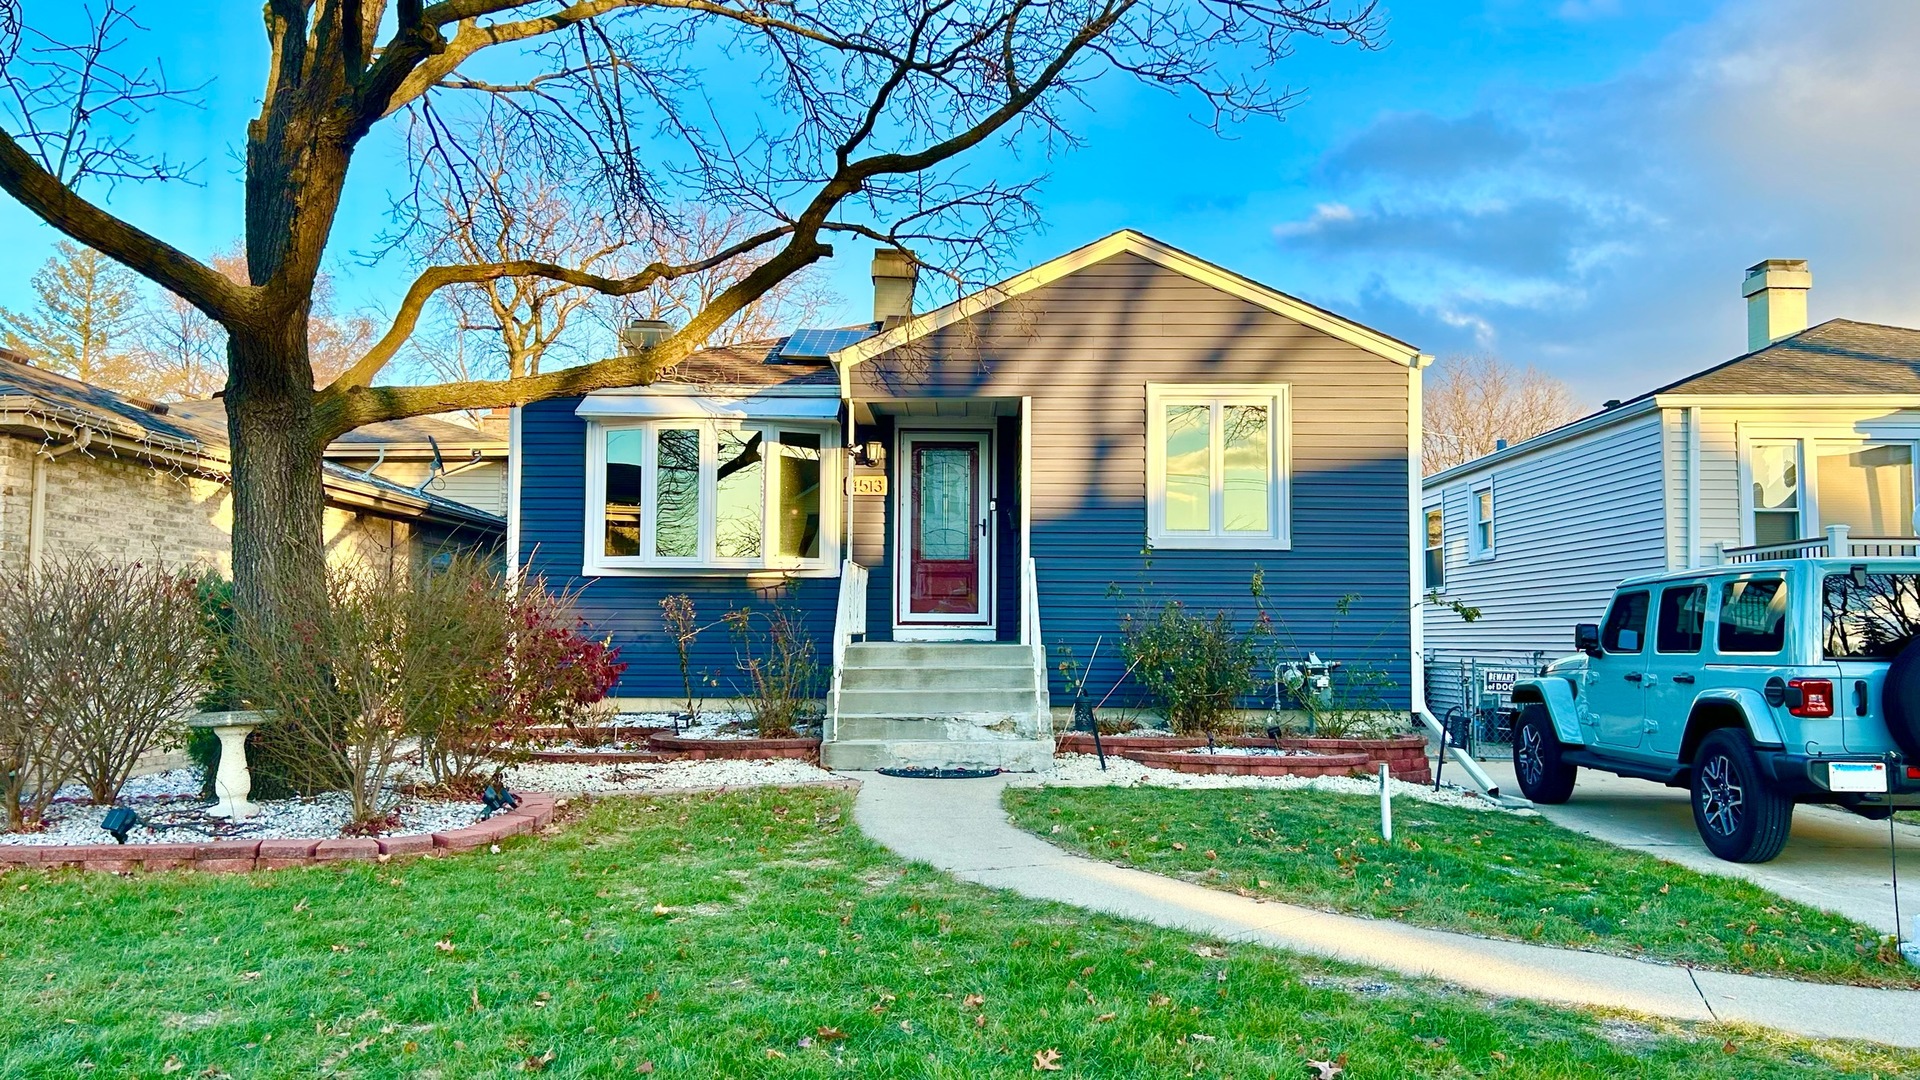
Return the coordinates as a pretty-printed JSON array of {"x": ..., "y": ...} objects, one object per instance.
[{"x": 1834, "y": 859}]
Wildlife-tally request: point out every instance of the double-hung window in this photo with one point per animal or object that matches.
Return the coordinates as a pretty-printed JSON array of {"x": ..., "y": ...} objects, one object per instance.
[
  {"x": 1436, "y": 551},
  {"x": 711, "y": 495},
  {"x": 1480, "y": 536},
  {"x": 1217, "y": 467}
]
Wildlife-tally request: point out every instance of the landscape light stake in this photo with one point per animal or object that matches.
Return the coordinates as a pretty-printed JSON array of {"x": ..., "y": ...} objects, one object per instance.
[{"x": 1386, "y": 807}]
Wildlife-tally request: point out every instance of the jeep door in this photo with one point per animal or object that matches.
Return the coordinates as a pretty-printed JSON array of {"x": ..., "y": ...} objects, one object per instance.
[
  {"x": 1615, "y": 696},
  {"x": 1673, "y": 676}
]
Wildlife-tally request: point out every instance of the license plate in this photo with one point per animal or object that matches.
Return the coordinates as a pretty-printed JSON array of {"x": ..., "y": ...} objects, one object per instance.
[{"x": 1857, "y": 776}]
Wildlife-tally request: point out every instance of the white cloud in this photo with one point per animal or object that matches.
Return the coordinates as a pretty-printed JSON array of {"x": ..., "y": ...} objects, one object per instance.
[{"x": 1606, "y": 235}]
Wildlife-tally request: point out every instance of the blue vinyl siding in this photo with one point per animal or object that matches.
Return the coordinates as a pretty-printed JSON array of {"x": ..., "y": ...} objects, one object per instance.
[
  {"x": 1084, "y": 348},
  {"x": 552, "y": 530}
]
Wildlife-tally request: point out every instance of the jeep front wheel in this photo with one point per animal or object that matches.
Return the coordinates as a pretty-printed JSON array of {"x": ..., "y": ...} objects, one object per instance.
[
  {"x": 1543, "y": 777},
  {"x": 1741, "y": 817}
]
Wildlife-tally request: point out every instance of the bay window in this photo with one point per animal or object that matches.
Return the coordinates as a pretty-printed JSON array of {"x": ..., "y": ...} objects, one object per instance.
[
  {"x": 710, "y": 494},
  {"x": 1217, "y": 466}
]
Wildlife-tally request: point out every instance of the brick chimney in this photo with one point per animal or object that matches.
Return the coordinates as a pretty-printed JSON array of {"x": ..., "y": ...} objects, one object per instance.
[
  {"x": 894, "y": 275},
  {"x": 1776, "y": 292}
]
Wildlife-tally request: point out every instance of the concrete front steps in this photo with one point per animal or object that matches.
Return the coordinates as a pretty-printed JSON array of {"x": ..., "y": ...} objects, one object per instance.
[{"x": 939, "y": 705}]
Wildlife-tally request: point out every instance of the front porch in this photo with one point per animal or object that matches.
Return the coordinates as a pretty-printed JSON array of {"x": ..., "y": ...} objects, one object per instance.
[{"x": 938, "y": 659}]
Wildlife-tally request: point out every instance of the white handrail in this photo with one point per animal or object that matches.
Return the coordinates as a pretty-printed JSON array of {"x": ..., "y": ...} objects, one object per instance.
[
  {"x": 1838, "y": 543},
  {"x": 1030, "y": 634},
  {"x": 849, "y": 618}
]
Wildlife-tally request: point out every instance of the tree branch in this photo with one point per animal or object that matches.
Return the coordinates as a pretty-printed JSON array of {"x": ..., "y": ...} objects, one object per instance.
[{"x": 23, "y": 177}]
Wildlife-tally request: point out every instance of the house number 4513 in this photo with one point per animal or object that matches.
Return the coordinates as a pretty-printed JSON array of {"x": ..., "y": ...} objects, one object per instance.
[{"x": 870, "y": 485}]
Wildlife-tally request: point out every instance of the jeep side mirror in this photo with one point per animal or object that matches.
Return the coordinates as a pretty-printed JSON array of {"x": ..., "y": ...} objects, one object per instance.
[{"x": 1586, "y": 638}]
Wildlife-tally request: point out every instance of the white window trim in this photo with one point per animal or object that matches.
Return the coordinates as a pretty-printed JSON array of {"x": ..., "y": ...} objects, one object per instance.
[
  {"x": 1277, "y": 397},
  {"x": 1433, "y": 544},
  {"x": 1476, "y": 552},
  {"x": 597, "y": 562},
  {"x": 1812, "y": 446}
]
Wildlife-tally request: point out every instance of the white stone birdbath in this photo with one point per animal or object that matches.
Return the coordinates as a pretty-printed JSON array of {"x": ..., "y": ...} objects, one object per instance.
[{"x": 232, "y": 782}]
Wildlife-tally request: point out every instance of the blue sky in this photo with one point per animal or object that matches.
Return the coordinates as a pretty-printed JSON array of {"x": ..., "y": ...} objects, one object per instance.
[{"x": 1574, "y": 184}]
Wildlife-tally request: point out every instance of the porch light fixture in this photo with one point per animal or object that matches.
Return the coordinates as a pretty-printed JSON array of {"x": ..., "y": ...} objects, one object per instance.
[
  {"x": 495, "y": 797},
  {"x": 120, "y": 821},
  {"x": 867, "y": 454}
]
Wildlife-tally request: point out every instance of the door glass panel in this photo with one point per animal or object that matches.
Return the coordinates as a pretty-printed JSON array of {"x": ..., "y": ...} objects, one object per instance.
[
  {"x": 799, "y": 505},
  {"x": 1869, "y": 488},
  {"x": 1753, "y": 616},
  {"x": 944, "y": 566},
  {"x": 624, "y": 485},
  {"x": 1245, "y": 457},
  {"x": 1776, "y": 493},
  {"x": 1626, "y": 629},
  {"x": 1683, "y": 619},
  {"x": 739, "y": 494},
  {"x": 676, "y": 525},
  {"x": 1189, "y": 486}
]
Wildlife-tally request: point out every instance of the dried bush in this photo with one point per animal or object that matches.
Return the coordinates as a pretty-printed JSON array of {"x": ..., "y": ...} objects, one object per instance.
[
  {"x": 677, "y": 613},
  {"x": 106, "y": 657},
  {"x": 782, "y": 676},
  {"x": 1194, "y": 669}
]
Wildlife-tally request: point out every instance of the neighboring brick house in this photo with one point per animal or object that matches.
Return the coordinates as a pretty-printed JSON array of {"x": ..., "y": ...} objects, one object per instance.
[{"x": 84, "y": 467}]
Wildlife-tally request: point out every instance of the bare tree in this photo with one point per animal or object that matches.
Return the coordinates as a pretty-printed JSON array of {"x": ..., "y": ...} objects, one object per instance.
[
  {"x": 1470, "y": 403},
  {"x": 183, "y": 354},
  {"x": 85, "y": 318},
  {"x": 867, "y": 116}
]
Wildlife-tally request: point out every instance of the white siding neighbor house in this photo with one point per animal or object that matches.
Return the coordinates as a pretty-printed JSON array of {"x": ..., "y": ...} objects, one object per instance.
[{"x": 1812, "y": 429}]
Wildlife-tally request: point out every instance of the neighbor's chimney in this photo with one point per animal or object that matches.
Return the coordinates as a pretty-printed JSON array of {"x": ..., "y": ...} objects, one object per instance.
[
  {"x": 1776, "y": 292},
  {"x": 894, "y": 274},
  {"x": 639, "y": 335}
]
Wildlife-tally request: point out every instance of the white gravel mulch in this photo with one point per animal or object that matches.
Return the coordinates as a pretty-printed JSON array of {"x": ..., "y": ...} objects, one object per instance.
[
  {"x": 1246, "y": 751},
  {"x": 1083, "y": 770},
  {"x": 666, "y": 775},
  {"x": 172, "y": 798}
]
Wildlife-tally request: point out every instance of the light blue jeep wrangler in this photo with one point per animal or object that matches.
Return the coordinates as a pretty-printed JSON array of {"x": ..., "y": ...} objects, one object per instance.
[{"x": 1756, "y": 685}]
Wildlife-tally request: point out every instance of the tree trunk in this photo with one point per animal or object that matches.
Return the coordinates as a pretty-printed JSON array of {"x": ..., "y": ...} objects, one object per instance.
[{"x": 279, "y": 503}]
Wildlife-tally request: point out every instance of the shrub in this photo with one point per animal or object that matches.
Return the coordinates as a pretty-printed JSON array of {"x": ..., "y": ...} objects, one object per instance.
[
  {"x": 782, "y": 677},
  {"x": 1194, "y": 669},
  {"x": 106, "y": 657},
  {"x": 677, "y": 613}
]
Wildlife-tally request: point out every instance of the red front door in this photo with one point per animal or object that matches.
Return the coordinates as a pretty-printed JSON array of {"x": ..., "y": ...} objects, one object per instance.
[{"x": 946, "y": 527}]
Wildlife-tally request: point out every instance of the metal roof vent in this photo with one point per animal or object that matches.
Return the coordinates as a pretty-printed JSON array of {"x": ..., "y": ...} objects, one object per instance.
[{"x": 640, "y": 335}]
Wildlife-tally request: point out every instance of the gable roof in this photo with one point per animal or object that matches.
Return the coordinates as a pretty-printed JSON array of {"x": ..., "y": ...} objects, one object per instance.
[
  {"x": 1146, "y": 247},
  {"x": 746, "y": 363}
]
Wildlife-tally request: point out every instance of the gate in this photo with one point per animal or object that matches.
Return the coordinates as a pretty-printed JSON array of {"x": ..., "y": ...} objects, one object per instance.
[{"x": 1471, "y": 693}]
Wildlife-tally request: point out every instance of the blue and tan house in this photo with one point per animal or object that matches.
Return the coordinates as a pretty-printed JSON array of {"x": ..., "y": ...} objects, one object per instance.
[{"x": 950, "y": 502}]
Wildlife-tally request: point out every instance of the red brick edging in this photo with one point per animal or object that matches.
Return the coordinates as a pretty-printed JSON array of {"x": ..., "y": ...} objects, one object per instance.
[
  {"x": 226, "y": 856},
  {"x": 737, "y": 749},
  {"x": 1252, "y": 764},
  {"x": 1405, "y": 758}
]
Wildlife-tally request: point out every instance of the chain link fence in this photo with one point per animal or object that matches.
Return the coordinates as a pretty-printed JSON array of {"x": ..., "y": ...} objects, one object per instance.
[{"x": 1471, "y": 693}]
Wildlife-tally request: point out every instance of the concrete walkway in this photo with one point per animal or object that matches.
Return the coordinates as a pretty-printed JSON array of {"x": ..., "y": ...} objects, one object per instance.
[
  {"x": 958, "y": 826},
  {"x": 1834, "y": 860}
]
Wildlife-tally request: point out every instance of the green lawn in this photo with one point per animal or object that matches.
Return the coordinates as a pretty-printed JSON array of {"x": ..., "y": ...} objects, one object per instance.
[
  {"x": 733, "y": 935},
  {"x": 1500, "y": 875}
]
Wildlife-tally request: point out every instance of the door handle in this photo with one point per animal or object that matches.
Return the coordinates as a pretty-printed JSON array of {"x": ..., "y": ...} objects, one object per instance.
[
  {"x": 1683, "y": 677},
  {"x": 1633, "y": 676}
]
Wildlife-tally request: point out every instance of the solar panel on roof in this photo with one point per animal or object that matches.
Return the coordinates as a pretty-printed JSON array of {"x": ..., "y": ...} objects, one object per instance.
[{"x": 819, "y": 344}]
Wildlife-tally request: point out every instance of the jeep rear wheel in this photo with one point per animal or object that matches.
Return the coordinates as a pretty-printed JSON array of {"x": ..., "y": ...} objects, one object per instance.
[
  {"x": 1739, "y": 814},
  {"x": 1543, "y": 777}
]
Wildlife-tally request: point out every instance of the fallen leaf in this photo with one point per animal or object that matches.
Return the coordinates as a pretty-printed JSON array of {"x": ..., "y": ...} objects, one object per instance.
[
  {"x": 1730, "y": 1047},
  {"x": 830, "y": 1033},
  {"x": 973, "y": 1001},
  {"x": 906, "y": 1026},
  {"x": 1327, "y": 1069},
  {"x": 644, "y": 1067},
  {"x": 173, "y": 1064},
  {"x": 1105, "y": 1018},
  {"x": 249, "y": 975},
  {"x": 1046, "y": 1060},
  {"x": 301, "y": 906},
  {"x": 1178, "y": 846},
  {"x": 772, "y": 1053},
  {"x": 980, "y": 1020},
  {"x": 444, "y": 945},
  {"x": 1157, "y": 1000},
  {"x": 662, "y": 909}
]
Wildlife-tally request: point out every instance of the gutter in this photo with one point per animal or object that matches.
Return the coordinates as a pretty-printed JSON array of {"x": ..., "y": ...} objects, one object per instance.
[{"x": 1582, "y": 426}]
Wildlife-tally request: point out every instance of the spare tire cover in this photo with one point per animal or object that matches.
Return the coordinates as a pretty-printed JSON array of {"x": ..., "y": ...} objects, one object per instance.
[{"x": 1900, "y": 700}]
